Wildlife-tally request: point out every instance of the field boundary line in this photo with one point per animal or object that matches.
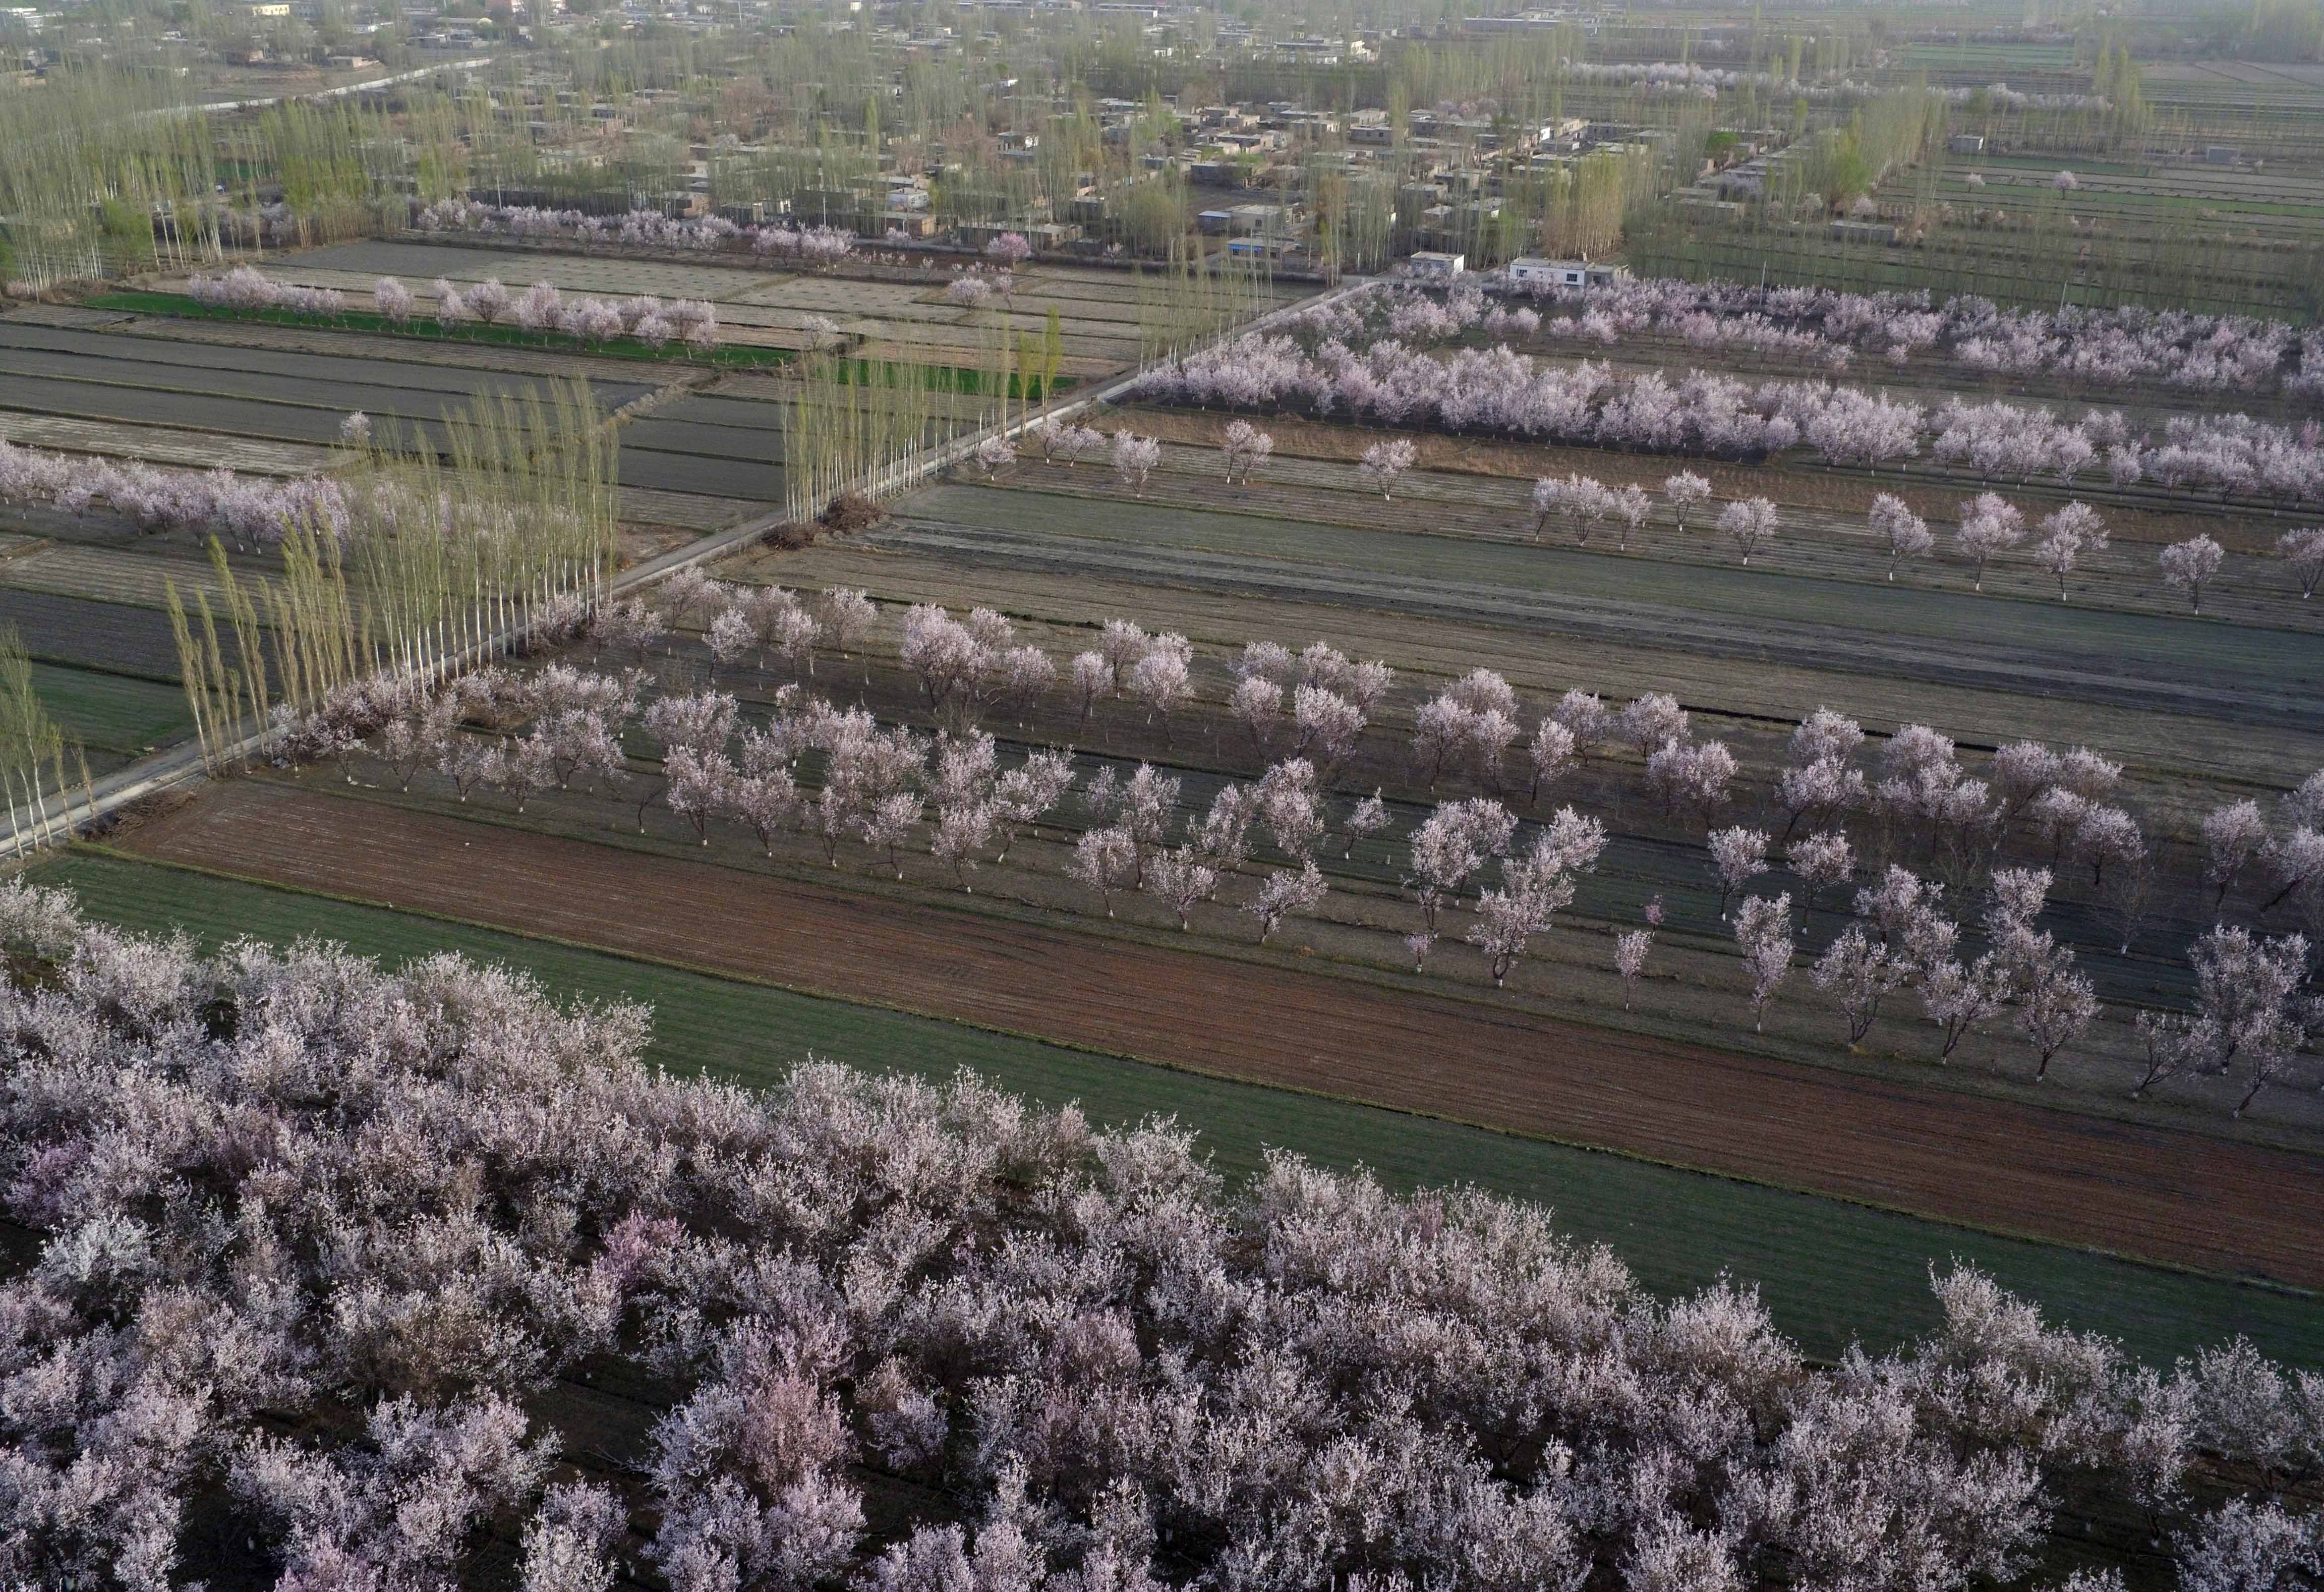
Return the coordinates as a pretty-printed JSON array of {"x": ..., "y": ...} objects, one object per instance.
[{"x": 642, "y": 959}]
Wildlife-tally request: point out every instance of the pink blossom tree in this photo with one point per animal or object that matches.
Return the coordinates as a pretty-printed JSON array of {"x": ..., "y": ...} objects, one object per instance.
[
  {"x": 1285, "y": 892},
  {"x": 1989, "y": 526},
  {"x": 2190, "y": 566},
  {"x": 1739, "y": 855},
  {"x": 994, "y": 455},
  {"x": 2302, "y": 553},
  {"x": 1905, "y": 532},
  {"x": 1631, "y": 949},
  {"x": 1244, "y": 448},
  {"x": 1763, "y": 934},
  {"x": 393, "y": 301}
]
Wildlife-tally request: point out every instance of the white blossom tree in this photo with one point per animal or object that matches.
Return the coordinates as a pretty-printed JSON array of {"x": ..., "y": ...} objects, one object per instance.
[
  {"x": 1750, "y": 522},
  {"x": 1383, "y": 462},
  {"x": 1764, "y": 933},
  {"x": 1244, "y": 448},
  {"x": 1682, "y": 492},
  {"x": 1107, "y": 861},
  {"x": 2302, "y": 553},
  {"x": 1859, "y": 972},
  {"x": 2190, "y": 566},
  {"x": 1739, "y": 855},
  {"x": 1284, "y": 893},
  {"x": 1135, "y": 458}
]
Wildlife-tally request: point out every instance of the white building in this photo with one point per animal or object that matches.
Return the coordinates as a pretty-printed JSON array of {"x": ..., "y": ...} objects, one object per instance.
[
  {"x": 1532, "y": 271},
  {"x": 1430, "y": 263}
]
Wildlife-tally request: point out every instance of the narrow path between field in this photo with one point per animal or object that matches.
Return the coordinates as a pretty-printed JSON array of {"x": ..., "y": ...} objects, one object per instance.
[{"x": 2140, "y": 1191}]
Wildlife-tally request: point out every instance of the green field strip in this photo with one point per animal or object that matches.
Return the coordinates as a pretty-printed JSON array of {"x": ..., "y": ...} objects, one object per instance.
[
  {"x": 1830, "y": 1271},
  {"x": 178, "y": 306},
  {"x": 111, "y": 712}
]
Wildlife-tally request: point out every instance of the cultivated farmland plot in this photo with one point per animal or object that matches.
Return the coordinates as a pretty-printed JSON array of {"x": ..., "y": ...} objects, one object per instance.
[
  {"x": 62, "y": 378},
  {"x": 1745, "y": 944},
  {"x": 1771, "y": 694},
  {"x": 1439, "y": 570},
  {"x": 1511, "y": 1057},
  {"x": 700, "y": 449},
  {"x": 1417, "y": 1049},
  {"x": 1831, "y": 1274},
  {"x": 908, "y": 321},
  {"x": 269, "y": 402},
  {"x": 1816, "y": 537},
  {"x": 1807, "y": 620},
  {"x": 1654, "y": 852}
]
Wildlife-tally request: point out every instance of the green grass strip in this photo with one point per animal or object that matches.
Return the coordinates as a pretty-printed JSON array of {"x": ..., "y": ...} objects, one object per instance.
[
  {"x": 1830, "y": 1271},
  {"x": 180, "y": 307},
  {"x": 859, "y": 372},
  {"x": 943, "y": 378},
  {"x": 113, "y": 712}
]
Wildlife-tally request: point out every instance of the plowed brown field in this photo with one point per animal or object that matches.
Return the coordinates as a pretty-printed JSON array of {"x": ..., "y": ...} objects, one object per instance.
[{"x": 2135, "y": 1190}]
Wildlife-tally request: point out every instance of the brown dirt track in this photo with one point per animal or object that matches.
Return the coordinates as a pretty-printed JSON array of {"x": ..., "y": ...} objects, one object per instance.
[{"x": 2181, "y": 1198}]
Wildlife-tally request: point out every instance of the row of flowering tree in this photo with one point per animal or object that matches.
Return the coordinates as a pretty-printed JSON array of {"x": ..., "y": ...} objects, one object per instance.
[
  {"x": 1827, "y": 331},
  {"x": 247, "y": 512},
  {"x": 1497, "y": 390},
  {"x": 383, "y": 1220},
  {"x": 541, "y": 309},
  {"x": 818, "y": 246},
  {"x": 842, "y": 779}
]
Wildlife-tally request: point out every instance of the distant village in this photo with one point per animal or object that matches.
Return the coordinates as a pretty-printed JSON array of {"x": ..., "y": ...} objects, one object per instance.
[{"x": 1257, "y": 181}]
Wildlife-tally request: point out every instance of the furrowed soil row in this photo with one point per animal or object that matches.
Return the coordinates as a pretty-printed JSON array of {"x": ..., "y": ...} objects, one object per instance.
[
  {"x": 2116, "y": 1186},
  {"x": 274, "y": 375},
  {"x": 546, "y": 361},
  {"x": 687, "y": 511},
  {"x": 1999, "y": 661},
  {"x": 110, "y": 637},
  {"x": 2121, "y": 577},
  {"x": 100, "y": 574},
  {"x": 759, "y": 307},
  {"x": 163, "y": 445}
]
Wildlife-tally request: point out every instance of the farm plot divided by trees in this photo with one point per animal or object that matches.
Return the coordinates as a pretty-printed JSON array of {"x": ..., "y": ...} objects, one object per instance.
[
  {"x": 1397, "y": 1046},
  {"x": 1719, "y": 887},
  {"x": 103, "y": 379},
  {"x": 261, "y": 375},
  {"x": 911, "y": 321},
  {"x": 86, "y": 586},
  {"x": 1937, "y": 828},
  {"x": 1653, "y": 856},
  {"x": 1445, "y": 573}
]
